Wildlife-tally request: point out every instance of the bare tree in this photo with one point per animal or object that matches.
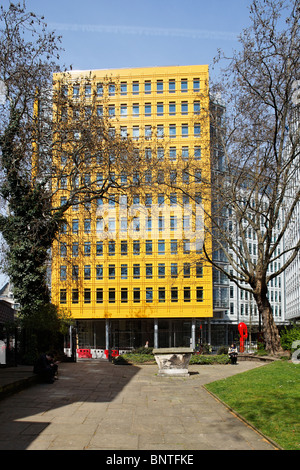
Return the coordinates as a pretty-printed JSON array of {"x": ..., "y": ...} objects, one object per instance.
[
  {"x": 255, "y": 154},
  {"x": 53, "y": 141}
]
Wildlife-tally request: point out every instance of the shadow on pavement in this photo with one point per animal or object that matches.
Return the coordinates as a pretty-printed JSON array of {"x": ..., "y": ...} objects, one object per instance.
[{"x": 82, "y": 382}]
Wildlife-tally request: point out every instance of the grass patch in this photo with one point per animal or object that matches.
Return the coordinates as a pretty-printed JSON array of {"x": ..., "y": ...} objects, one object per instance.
[{"x": 267, "y": 397}]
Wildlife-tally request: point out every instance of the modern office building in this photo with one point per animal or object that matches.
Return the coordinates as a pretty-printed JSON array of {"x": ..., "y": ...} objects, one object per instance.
[{"x": 128, "y": 266}]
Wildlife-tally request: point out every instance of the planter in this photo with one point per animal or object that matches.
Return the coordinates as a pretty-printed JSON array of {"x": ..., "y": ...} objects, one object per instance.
[{"x": 173, "y": 362}]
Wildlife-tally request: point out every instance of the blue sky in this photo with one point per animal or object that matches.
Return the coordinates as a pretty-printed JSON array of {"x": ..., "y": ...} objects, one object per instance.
[{"x": 138, "y": 33}]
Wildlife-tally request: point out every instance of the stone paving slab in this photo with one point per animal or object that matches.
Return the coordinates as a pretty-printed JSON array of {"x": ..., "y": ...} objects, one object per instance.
[{"x": 96, "y": 405}]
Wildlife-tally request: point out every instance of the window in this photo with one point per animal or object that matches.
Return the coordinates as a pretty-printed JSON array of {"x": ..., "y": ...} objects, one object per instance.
[
  {"x": 99, "y": 296},
  {"x": 148, "y": 247},
  {"x": 123, "y": 132},
  {"x": 187, "y": 294},
  {"x": 196, "y": 107},
  {"x": 172, "y": 86},
  {"x": 99, "y": 248},
  {"x": 172, "y": 153},
  {"x": 87, "y": 296},
  {"x": 197, "y": 153},
  {"x": 186, "y": 246},
  {"x": 76, "y": 91},
  {"x": 186, "y": 270},
  {"x": 197, "y": 176},
  {"x": 161, "y": 294},
  {"x": 172, "y": 131},
  {"x": 173, "y": 223},
  {"x": 111, "y": 110},
  {"x": 136, "y": 247},
  {"x": 161, "y": 270},
  {"x": 136, "y": 294},
  {"x": 111, "y": 89},
  {"x": 75, "y": 272},
  {"x": 124, "y": 295},
  {"x": 174, "y": 294},
  {"x": 63, "y": 249},
  {"x": 172, "y": 108},
  {"x": 148, "y": 132},
  {"x": 196, "y": 85},
  {"x": 136, "y": 271},
  {"x": 184, "y": 85},
  {"x": 111, "y": 271},
  {"x": 174, "y": 247},
  {"x": 148, "y": 109},
  {"x": 135, "y": 88},
  {"x": 75, "y": 296},
  {"x": 185, "y": 153},
  {"x": 149, "y": 271},
  {"x": 149, "y": 294},
  {"x": 124, "y": 248},
  {"x": 87, "y": 249},
  {"x": 173, "y": 199},
  {"x": 147, "y": 86},
  {"x": 99, "y": 271},
  {"x": 99, "y": 224},
  {"x": 111, "y": 295},
  {"x": 87, "y": 271},
  {"x": 174, "y": 270},
  {"x": 184, "y": 107},
  {"x": 75, "y": 249},
  {"x": 123, "y": 110},
  {"x": 63, "y": 273},
  {"x": 160, "y": 199},
  {"x": 161, "y": 223},
  {"x": 199, "y": 269},
  {"x": 100, "y": 111},
  {"x": 197, "y": 130},
  {"x": 184, "y": 130},
  {"x": 87, "y": 225},
  {"x": 111, "y": 247},
  {"x": 135, "y": 132},
  {"x": 159, "y": 86},
  {"x": 135, "y": 110},
  {"x": 124, "y": 271},
  {"x": 123, "y": 88},
  {"x": 160, "y": 109},
  {"x": 160, "y": 131},
  {"x": 148, "y": 200},
  {"x": 161, "y": 247},
  {"x": 99, "y": 89},
  {"x": 199, "y": 294}
]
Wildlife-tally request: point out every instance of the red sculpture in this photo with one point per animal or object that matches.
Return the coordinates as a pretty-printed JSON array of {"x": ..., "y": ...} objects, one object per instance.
[{"x": 243, "y": 333}]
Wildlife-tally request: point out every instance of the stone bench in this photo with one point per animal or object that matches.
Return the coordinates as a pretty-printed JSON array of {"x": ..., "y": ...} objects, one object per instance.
[{"x": 173, "y": 361}]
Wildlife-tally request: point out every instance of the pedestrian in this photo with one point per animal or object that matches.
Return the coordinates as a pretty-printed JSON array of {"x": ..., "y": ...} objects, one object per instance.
[
  {"x": 233, "y": 353},
  {"x": 46, "y": 368}
]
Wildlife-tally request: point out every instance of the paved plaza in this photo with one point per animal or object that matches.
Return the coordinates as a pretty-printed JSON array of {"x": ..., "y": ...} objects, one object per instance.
[{"x": 96, "y": 405}]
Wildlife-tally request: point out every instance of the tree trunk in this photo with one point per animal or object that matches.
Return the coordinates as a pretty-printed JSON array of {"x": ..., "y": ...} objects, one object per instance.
[{"x": 270, "y": 330}]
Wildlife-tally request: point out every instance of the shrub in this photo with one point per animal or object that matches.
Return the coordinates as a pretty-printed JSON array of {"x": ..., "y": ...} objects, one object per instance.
[{"x": 288, "y": 336}]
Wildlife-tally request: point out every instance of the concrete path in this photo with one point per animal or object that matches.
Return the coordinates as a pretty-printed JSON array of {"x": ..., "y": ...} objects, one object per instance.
[{"x": 96, "y": 405}]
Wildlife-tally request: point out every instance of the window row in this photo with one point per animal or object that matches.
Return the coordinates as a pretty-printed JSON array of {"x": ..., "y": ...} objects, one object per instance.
[
  {"x": 173, "y": 200},
  {"x": 138, "y": 110},
  {"x": 158, "y": 223},
  {"x": 134, "y": 295},
  {"x": 148, "y": 132},
  {"x": 136, "y": 87},
  {"x": 136, "y": 247},
  {"x": 136, "y": 271},
  {"x": 186, "y": 176}
]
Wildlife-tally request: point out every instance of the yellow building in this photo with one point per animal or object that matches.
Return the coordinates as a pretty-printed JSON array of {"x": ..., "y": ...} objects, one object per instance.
[{"x": 129, "y": 268}]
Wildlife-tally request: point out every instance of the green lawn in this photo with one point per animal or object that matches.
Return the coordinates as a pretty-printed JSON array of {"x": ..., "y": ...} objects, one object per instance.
[{"x": 267, "y": 397}]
